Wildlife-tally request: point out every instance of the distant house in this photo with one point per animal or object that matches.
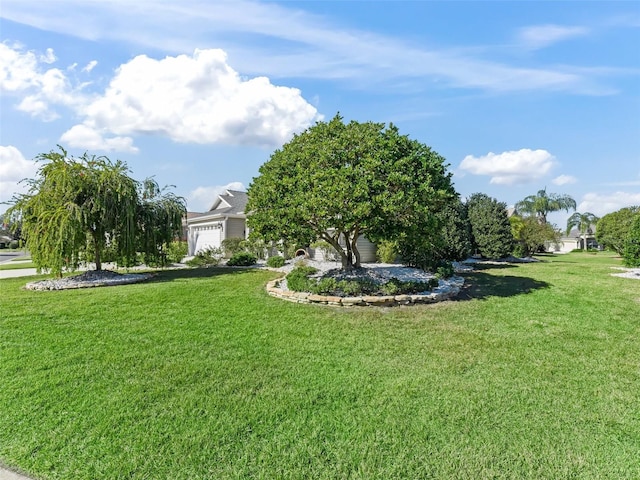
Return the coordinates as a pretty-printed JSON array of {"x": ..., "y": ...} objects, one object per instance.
[
  {"x": 575, "y": 241},
  {"x": 227, "y": 219}
]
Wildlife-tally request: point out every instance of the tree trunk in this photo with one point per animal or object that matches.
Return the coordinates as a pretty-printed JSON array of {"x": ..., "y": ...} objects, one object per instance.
[
  {"x": 96, "y": 246},
  {"x": 336, "y": 245},
  {"x": 354, "y": 248},
  {"x": 349, "y": 255}
]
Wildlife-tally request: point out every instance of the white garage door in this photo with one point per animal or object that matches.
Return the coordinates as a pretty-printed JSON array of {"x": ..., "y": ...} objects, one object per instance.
[{"x": 208, "y": 238}]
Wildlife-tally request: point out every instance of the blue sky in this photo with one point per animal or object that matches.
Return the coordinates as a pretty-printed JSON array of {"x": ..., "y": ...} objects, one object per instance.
[{"x": 517, "y": 96}]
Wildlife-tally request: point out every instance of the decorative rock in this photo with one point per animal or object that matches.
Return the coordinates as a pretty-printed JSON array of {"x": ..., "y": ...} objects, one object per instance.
[
  {"x": 446, "y": 289},
  {"x": 91, "y": 278},
  {"x": 352, "y": 301},
  {"x": 403, "y": 299},
  {"x": 317, "y": 299}
]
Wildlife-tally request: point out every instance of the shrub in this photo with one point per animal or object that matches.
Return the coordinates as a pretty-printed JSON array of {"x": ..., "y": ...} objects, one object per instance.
[
  {"x": 363, "y": 286},
  {"x": 242, "y": 259},
  {"x": 255, "y": 246},
  {"x": 275, "y": 262},
  {"x": 176, "y": 251},
  {"x": 395, "y": 286},
  {"x": 231, "y": 246},
  {"x": 387, "y": 251},
  {"x": 208, "y": 257},
  {"x": 519, "y": 250},
  {"x": 444, "y": 269},
  {"x": 298, "y": 279},
  {"x": 324, "y": 286}
]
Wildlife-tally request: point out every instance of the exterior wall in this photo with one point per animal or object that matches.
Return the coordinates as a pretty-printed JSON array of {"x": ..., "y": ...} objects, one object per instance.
[
  {"x": 567, "y": 244},
  {"x": 367, "y": 250},
  {"x": 235, "y": 228}
]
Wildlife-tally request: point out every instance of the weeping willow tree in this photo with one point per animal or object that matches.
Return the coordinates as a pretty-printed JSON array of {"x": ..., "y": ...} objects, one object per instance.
[
  {"x": 159, "y": 221},
  {"x": 86, "y": 204}
]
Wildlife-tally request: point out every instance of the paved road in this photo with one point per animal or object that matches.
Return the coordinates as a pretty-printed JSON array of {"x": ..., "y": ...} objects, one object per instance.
[{"x": 6, "y": 256}]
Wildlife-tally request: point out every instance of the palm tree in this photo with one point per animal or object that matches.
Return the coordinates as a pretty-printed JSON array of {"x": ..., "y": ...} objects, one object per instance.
[
  {"x": 583, "y": 221},
  {"x": 543, "y": 203}
]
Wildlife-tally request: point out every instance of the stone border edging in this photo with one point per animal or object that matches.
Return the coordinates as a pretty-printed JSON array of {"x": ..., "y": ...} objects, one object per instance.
[{"x": 366, "y": 300}]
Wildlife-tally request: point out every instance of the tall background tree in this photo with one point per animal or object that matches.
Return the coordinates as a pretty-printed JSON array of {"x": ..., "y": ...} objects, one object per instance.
[
  {"x": 543, "y": 203},
  {"x": 583, "y": 222},
  {"x": 490, "y": 228},
  {"x": 78, "y": 205},
  {"x": 613, "y": 228},
  {"x": 631, "y": 252},
  {"x": 531, "y": 236},
  {"x": 337, "y": 181}
]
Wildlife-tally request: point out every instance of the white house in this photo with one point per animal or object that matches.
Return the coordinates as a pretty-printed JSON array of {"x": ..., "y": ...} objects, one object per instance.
[
  {"x": 574, "y": 241},
  {"x": 227, "y": 219}
]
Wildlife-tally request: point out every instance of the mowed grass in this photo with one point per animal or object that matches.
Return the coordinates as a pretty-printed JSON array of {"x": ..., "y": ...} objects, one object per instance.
[
  {"x": 16, "y": 265},
  {"x": 534, "y": 372}
]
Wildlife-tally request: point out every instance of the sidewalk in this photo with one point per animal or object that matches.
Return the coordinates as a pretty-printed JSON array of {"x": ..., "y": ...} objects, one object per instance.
[
  {"x": 20, "y": 272},
  {"x": 6, "y": 474}
]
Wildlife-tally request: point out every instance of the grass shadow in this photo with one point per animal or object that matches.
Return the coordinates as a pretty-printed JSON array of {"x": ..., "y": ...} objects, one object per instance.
[
  {"x": 161, "y": 276},
  {"x": 479, "y": 285},
  {"x": 492, "y": 266}
]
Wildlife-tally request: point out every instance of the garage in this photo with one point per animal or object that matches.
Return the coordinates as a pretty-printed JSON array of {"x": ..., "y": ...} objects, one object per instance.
[{"x": 207, "y": 237}]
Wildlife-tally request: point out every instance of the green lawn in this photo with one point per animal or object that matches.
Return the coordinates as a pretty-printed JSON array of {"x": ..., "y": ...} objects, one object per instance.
[
  {"x": 16, "y": 265},
  {"x": 533, "y": 373}
]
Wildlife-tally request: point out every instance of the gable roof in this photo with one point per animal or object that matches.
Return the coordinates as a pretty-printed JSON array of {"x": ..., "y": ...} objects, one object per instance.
[{"x": 232, "y": 201}]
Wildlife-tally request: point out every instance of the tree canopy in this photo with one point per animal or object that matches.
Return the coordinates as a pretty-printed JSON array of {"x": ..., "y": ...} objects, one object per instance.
[
  {"x": 86, "y": 204},
  {"x": 490, "y": 227},
  {"x": 631, "y": 252},
  {"x": 530, "y": 235},
  {"x": 337, "y": 181},
  {"x": 612, "y": 229},
  {"x": 544, "y": 203}
]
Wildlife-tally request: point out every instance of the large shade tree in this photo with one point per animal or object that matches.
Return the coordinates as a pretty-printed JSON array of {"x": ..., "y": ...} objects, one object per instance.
[
  {"x": 583, "y": 222},
  {"x": 613, "y": 228},
  {"x": 543, "y": 203},
  {"x": 337, "y": 181},
  {"x": 79, "y": 205},
  {"x": 490, "y": 228}
]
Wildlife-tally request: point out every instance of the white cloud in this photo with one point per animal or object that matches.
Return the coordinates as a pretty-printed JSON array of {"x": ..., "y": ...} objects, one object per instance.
[
  {"x": 83, "y": 136},
  {"x": 512, "y": 167},
  {"x": 14, "y": 168},
  {"x": 541, "y": 36},
  {"x": 564, "y": 180},
  {"x": 25, "y": 74},
  {"x": 602, "y": 203},
  {"x": 195, "y": 99},
  {"x": 201, "y": 198},
  {"x": 90, "y": 66},
  {"x": 309, "y": 45},
  {"x": 48, "y": 57}
]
